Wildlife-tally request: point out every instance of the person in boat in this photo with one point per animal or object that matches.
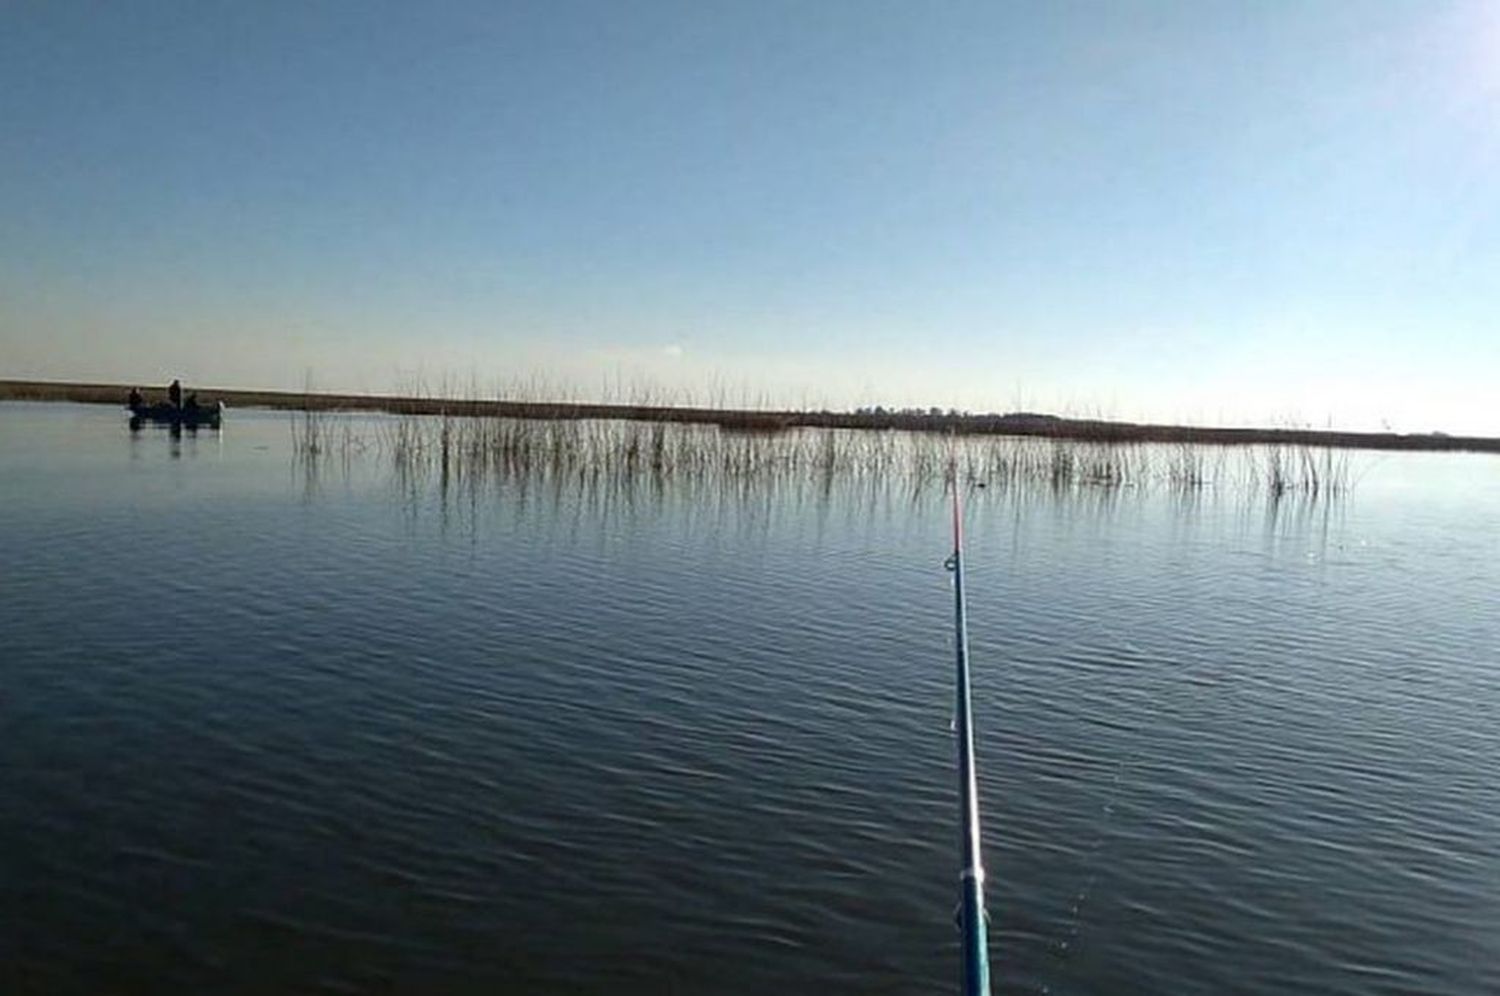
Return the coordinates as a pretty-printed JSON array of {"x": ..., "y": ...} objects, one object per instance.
[
  {"x": 136, "y": 400},
  {"x": 174, "y": 394}
]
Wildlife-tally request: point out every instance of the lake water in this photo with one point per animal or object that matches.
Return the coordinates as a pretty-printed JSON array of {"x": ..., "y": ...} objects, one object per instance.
[{"x": 271, "y": 727}]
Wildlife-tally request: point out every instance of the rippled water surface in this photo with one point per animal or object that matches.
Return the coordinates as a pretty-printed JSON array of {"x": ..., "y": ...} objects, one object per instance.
[{"x": 271, "y": 727}]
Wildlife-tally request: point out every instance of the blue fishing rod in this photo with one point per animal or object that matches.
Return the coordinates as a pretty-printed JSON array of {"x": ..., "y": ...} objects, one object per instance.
[{"x": 972, "y": 919}]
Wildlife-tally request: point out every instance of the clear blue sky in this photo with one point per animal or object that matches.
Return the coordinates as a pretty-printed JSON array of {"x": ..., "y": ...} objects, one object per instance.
[{"x": 1219, "y": 212}]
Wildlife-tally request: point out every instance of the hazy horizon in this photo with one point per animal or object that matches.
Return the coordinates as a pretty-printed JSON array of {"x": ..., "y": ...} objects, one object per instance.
[{"x": 1209, "y": 213}]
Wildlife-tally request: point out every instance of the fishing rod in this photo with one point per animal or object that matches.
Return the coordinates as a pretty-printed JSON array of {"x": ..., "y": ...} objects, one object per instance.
[{"x": 972, "y": 919}]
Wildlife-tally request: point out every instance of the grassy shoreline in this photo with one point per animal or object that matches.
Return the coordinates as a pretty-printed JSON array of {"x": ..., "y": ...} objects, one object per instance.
[{"x": 1016, "y": 424}]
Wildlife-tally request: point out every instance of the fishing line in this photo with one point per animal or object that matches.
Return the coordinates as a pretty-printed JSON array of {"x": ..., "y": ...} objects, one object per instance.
[{"x": 1064, "y": 946}]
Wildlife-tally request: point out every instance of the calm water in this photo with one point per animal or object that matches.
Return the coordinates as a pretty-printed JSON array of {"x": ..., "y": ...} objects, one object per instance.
[{"x": 274, "y": 731}]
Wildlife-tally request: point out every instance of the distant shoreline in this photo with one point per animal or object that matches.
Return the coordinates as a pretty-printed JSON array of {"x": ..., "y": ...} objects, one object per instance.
[{"x": 1014, "y": 424}]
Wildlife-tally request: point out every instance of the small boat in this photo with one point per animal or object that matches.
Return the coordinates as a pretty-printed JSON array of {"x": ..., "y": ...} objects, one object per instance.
[{"x": 192, "y": 416}]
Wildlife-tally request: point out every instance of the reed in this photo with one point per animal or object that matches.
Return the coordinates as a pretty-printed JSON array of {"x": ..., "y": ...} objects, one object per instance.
[{"x": 481, "y": 450}]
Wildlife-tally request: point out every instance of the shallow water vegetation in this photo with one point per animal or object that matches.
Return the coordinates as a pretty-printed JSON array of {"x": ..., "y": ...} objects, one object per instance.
[
  {"x": 317, "y": 435},
  {"x": 457, "y": 450},
  {"x": 1307, "y": 471}
]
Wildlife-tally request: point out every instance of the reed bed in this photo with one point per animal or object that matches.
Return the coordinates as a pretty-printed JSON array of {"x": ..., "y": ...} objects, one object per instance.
[
  {"x": 457, "y": 450},
  {"x": 315, "y": 436}
]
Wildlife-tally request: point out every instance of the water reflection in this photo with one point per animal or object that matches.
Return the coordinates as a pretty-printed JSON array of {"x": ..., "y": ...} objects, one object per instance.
[
  {"x": 572, "y": 709},
  {"x": 182, "y": 439},
  {"x": 453, "y": 466}
]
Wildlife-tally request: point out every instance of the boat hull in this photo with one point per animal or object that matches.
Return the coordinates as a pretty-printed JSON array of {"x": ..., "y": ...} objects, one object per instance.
[{"x": 165, "y": 414}]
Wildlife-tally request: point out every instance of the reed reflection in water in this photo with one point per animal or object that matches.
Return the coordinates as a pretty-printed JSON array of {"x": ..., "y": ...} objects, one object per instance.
[{"x": 455, "y": 454}]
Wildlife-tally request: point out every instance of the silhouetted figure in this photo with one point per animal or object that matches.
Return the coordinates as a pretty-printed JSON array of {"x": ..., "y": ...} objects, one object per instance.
[
  {"x": 135, "y": 399},
  {"x": 192, "y": 401},
  {"x": 174, "y": 394}
]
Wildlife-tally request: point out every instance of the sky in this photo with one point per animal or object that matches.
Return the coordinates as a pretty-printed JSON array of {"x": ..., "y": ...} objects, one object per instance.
[{"x": 1247, "y": 213}]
